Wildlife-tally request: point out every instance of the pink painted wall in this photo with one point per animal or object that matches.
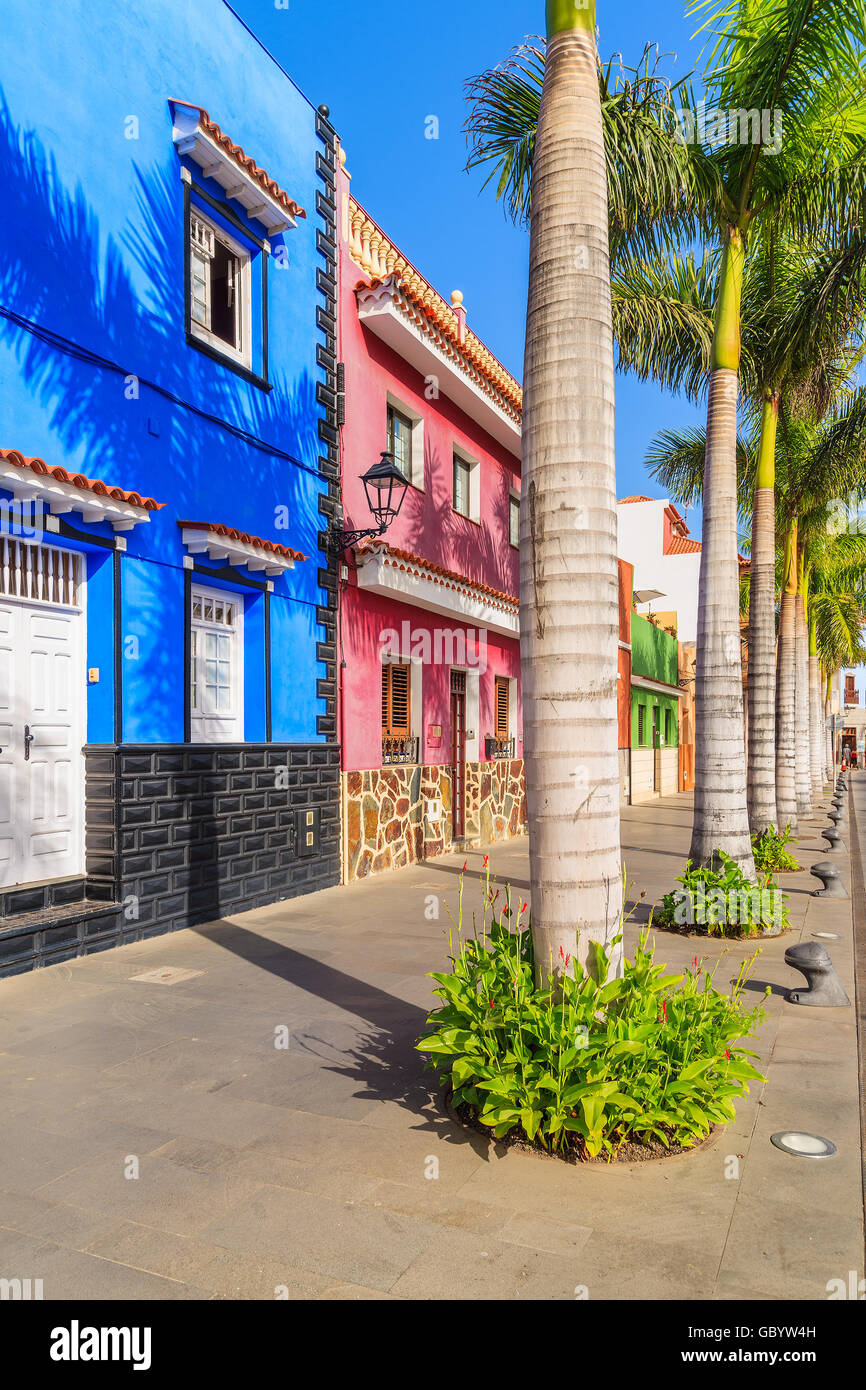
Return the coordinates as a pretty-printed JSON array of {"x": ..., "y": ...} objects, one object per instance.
[
  {"x": 365, "y": 617},
  {"x": 427, "y": 526}
]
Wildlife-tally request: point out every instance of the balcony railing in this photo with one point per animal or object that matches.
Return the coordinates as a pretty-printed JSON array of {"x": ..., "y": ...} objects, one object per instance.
[
  {"x": 499, "y": 747},
  {"x": 399, "y": 750}
]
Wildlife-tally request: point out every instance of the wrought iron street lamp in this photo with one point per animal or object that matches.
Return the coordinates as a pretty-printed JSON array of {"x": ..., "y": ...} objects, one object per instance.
[{"x": 385, "y": 487}]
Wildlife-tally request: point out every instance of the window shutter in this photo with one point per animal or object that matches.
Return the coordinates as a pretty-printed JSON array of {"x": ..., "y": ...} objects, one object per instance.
[
  {"x": 501, "y": 707},
  {"x": 400, "y": 700},
  {"x": 396, "y": 720}
]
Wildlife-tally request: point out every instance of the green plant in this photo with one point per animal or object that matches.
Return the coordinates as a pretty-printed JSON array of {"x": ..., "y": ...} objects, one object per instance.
[
  {"x": 723, "y": 901},
  {"x": 771, "y": 851},
  {"x": 587, "y": 1063}
]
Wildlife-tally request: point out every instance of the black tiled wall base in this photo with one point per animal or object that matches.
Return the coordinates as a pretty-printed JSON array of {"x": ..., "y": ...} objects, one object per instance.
[
  {"x": 203, "y": 830},
  {"x": 179, "y": 834}
]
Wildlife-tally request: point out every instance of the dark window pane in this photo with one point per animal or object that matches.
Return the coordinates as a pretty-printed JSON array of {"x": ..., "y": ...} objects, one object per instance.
[{"x": 224, "y": 291}]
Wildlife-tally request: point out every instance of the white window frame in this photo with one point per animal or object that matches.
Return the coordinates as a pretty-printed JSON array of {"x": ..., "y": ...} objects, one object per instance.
[
  {"x": 514, "y": 497},
  {"x": 243, "y": 308},
  {"x": 417, "y": 422},
  {"x": 218, "y": 726},
  {"x": 474, "y": 466}
]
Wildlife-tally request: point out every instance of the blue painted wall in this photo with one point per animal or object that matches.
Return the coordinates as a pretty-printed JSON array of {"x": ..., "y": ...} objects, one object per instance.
[{"x": 92, "y": 248}]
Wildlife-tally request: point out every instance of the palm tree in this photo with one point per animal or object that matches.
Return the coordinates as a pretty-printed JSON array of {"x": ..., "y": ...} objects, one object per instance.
[
  {"x": 568, "y": 572},
  {"x": 569, "y": 582},
  {"x": 801, "y": 316},
  {"x": 800, "y": 57}
]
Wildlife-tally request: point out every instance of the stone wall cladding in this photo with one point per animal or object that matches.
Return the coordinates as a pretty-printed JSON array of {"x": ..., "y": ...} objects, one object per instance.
[
  {"x": 386, "y": 827},
  {"x": 195, "y": 831},
  {"x": 495, "y": 800}
]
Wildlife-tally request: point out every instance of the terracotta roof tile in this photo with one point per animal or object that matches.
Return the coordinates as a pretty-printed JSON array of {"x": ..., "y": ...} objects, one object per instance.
[
  {"x": 244, "y": 160},
  {"x": 683, "y": 545},
  {"x": 94, "y": 485},
  {"x": 622, "y": 501},
  {"x": 387, "y": 260},
  {"x": 270, "y": 547},
  {"x": 450, "y": 577}
]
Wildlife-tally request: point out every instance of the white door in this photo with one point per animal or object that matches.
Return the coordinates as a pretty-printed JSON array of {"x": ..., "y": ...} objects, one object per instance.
[
  {"x": 41, "y": 740},
  {"x": 216, "y": 667}
]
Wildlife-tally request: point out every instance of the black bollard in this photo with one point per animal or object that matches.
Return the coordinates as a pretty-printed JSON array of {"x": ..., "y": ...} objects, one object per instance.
[
  {"x": 824, "y": 986},
  {"x": 829, "y": 876},
  {"x": 834, "y": 840}
]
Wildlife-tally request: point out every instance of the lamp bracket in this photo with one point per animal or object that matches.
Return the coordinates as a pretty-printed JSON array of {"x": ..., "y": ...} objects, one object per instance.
[{"x": 340, "y": 540}]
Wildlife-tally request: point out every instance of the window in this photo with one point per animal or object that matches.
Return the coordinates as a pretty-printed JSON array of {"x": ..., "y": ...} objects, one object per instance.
[
  {"x": 641, "y": 725},
  {"x": 501, "y": 712},
  {"x": 400, "y": 441},
  {"x": 514, "y": 520},
  {"x": 396, "y": 701},
  {"x": 219, "y": 290},
  {"x": 216, "y": 667},
  {"x": 462, "y": 471}
]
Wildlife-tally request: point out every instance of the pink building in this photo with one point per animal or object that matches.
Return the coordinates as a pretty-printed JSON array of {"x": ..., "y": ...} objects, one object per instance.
[{"x": 429, "y": 697}]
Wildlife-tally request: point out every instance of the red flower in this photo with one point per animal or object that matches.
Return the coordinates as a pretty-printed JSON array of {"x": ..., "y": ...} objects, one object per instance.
[
  {"x": 561, "y": 953},
  {"x": 492, "y": 1004},
  {"x": 567, "y": 959},
  {"x": 696, "y": 962},
  {"x": 465, "y": 862},
  {"x": 486, "y": 860},
  {"x": 523, "y": 909},
  {"x": 727, "y": 1054},
  {"x": 664, "y": 1010}
]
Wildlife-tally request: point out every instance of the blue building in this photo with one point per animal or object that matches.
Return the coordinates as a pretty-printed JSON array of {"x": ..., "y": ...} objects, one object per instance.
[{"x": 168, "y": 470}]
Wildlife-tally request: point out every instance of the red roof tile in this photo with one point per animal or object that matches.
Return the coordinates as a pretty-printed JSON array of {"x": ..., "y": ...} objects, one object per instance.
[
  {"x": 623, "y": 500},
  {"x": 451, "y": 576},
  {"x": 244, "y": 160},
  {"x": 683, "y": 545},
  {"x": 37, "y": 465},
  {"x": 270, "y": 547}
]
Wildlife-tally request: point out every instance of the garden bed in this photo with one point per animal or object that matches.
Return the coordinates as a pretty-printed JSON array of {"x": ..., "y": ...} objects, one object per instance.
[{"x": 631, "y": 1151}]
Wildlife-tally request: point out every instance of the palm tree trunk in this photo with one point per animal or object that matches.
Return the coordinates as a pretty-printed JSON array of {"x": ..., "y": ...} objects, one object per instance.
[
  {"x": 816, "y": 742},
  {"x": 761, "y": 691},
  {"x": 802, "y": 757},
  {"x": 721, "y": 819},
  {"x": 786, "y": 794},
  {"x": 828, "y": 696},
  {"x": 568, "y": 583}
]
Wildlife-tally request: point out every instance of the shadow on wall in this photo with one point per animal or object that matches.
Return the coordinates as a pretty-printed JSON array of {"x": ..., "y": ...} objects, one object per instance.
[
  {"x": 471, "y": 549},
  {"x": 59, "y": 270}
]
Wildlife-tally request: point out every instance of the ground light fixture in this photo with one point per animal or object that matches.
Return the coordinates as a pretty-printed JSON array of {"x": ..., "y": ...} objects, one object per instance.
[
  {"x": 802, "y": 1145},
  {"x": 385, "y": 487}
]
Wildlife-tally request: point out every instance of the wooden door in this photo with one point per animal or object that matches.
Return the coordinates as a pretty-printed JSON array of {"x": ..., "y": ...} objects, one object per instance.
[{"x": 458, "y": 754}]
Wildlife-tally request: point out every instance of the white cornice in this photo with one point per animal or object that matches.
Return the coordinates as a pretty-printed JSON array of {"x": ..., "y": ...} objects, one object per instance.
[
  {"x": 217, "y": 163},
  {"x": 61, "y": 498},
  {"x": 234, "y": 552},
  {"x": 413, "y": 583},
  {"x": 644, "y": 683},
  {"x": 385, "y": 311}
]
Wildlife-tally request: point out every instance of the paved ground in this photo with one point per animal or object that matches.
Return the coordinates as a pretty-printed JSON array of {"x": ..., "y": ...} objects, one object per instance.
[{"x": 308, "y": 1169}]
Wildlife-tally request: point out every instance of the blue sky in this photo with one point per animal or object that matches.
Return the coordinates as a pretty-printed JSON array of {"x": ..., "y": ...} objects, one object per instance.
[{"x": 383, "y": 67}]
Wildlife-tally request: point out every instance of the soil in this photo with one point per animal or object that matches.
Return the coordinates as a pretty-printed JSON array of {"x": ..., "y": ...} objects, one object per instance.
[{"x": 633, "y": 1151}]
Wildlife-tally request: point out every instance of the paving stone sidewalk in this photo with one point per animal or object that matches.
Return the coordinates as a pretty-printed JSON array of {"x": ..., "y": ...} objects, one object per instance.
[{"x": 307, "y": 1169}]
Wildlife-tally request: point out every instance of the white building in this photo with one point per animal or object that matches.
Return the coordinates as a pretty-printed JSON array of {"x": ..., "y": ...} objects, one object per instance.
[{"x": 654, "y": 537}]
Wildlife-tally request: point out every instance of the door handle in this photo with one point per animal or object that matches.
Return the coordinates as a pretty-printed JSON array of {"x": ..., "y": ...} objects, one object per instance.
[{"x": 28, "y": 739}]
